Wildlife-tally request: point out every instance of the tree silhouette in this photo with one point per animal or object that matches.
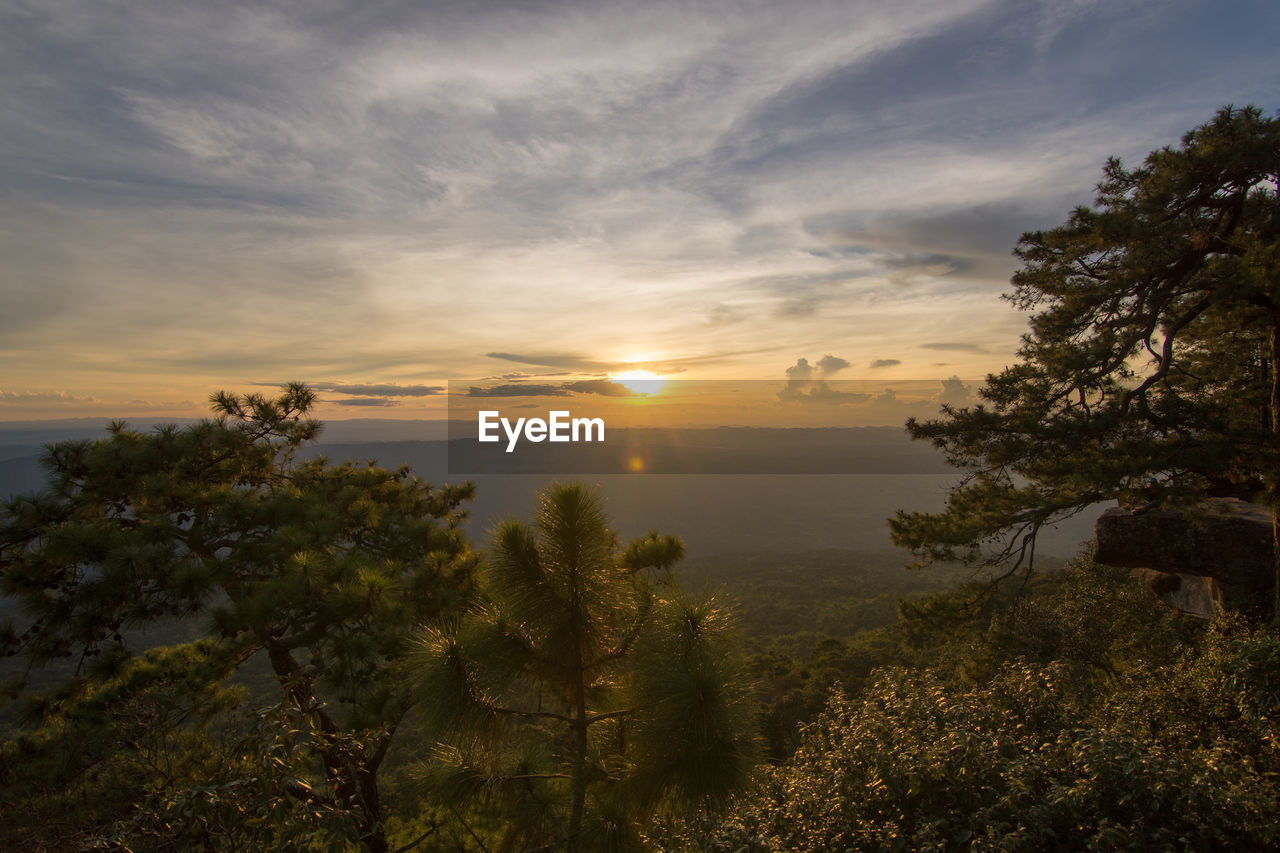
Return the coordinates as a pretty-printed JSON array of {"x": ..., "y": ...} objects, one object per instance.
[{"x": 1153, "y": 352}]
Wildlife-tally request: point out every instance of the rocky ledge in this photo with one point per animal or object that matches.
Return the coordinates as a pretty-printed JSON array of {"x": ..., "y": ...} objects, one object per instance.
[{"x": 1198, "y": 558}]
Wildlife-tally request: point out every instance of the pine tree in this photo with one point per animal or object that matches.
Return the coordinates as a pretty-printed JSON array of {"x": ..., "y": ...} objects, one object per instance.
[
  {"x": 323, "y": 569},
  {"x": 1152, "y": 352},
  {"x": 579, "y": 692}
]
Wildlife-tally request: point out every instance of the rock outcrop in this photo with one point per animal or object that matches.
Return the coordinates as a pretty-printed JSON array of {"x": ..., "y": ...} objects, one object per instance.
[
  {"x": 1194, "y": 595},
  {"x": 1199, "y": 559}
]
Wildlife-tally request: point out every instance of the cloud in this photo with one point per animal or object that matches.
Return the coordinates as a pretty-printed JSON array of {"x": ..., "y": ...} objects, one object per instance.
[
  {"x": 802, "y": 293},
  {"x": 827, "y": 366},
  {"x": 578, "y": 363},
  {"x": 44, "y": 397},
  {"x": 603, "y": 387},
  {"x": 372, "y": 402},
  {"x": 799, "y": 306},
  {"x": 383, "y": 390},
  {"x": 598, "y": 178},
  {"x": 887, "y": 397},
  {"x": 953, "y": 346},
  {"x": 514, "y": 390},
  {"x": 724, "y": 313},
  {"x": 954, "y": 392},
  {"x": 801, "y": 371},
  {"x": 806, "y": 383},
  {"x": 885, "y": 362},
  {"x": 564, "y": 360},
  {"x": 927, "y": 263},
  {"x": 158, "y": 404},
  {"x": 820, "y": 392},
  {"x": 830, "y": 364}
]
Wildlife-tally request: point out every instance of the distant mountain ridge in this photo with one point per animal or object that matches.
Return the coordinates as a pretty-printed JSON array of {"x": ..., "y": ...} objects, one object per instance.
[
  {"x": 37, "y": 432},
  {"x": 855, "y": 479}
]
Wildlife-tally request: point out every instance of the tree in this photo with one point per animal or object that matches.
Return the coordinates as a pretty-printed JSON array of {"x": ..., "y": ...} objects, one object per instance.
[
  {"x": 91, "y": 757},
  {"x": 579, "y": 691},
  {"x": 323, "y": 569},
  {"x": 1021, "y": 762},
  {"x": 1153, "y": 353},
  {"x": 1091, "y": 719}
]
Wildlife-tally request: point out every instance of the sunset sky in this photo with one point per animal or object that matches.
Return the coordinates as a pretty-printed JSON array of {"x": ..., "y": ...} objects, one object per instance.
[{"x": 377, "y": 198}]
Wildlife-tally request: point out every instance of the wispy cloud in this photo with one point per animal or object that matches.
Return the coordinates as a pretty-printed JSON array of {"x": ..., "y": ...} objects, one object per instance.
[
  {"x": 952, "y": 346},
  {"x": 44, "y": 397},
  {"x": 370, "y": 402},
  {"x": 517, "y": 390},
  {"x": 212, "y": 192},
  {"x": 602, "y": 387},
  {"x": 565, "y": 360},
  {"x": 381, "y": 390}
]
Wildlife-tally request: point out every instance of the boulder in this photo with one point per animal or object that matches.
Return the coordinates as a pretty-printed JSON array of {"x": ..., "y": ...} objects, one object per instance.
[
  {"x": 1223, "y": 539},
  {"x": 1194, "y": 595}
]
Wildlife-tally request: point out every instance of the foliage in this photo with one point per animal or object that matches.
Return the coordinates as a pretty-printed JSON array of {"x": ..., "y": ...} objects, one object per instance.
[
  {"x": 1151, "y": 352},
  {"x": 579, "y": 697},
  {"x": 262, "y": 796},
  {"x": 95, "y": 748},
  {"x": 322, "y": 569},
  {"x": 1088, "y": 617},
  {"x": 1161, "y": 743},
  {"x": 814, "y": 595},
  {"x": 810, "y": 619}
]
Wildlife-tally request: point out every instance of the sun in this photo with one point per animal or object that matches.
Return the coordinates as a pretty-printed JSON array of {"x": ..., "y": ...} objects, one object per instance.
[{"x": 639, "y": 381}]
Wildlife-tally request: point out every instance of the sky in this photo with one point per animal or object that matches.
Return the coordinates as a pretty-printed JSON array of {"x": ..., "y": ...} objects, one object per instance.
[{"x": 379, "y": 199}]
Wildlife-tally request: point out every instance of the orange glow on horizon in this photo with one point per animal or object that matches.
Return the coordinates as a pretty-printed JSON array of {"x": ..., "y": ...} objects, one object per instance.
[{"x": 639, "y": 381}]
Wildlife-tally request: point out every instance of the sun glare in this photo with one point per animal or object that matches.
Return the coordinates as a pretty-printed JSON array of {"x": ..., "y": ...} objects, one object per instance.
[{"x": 640, "y": 381}]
